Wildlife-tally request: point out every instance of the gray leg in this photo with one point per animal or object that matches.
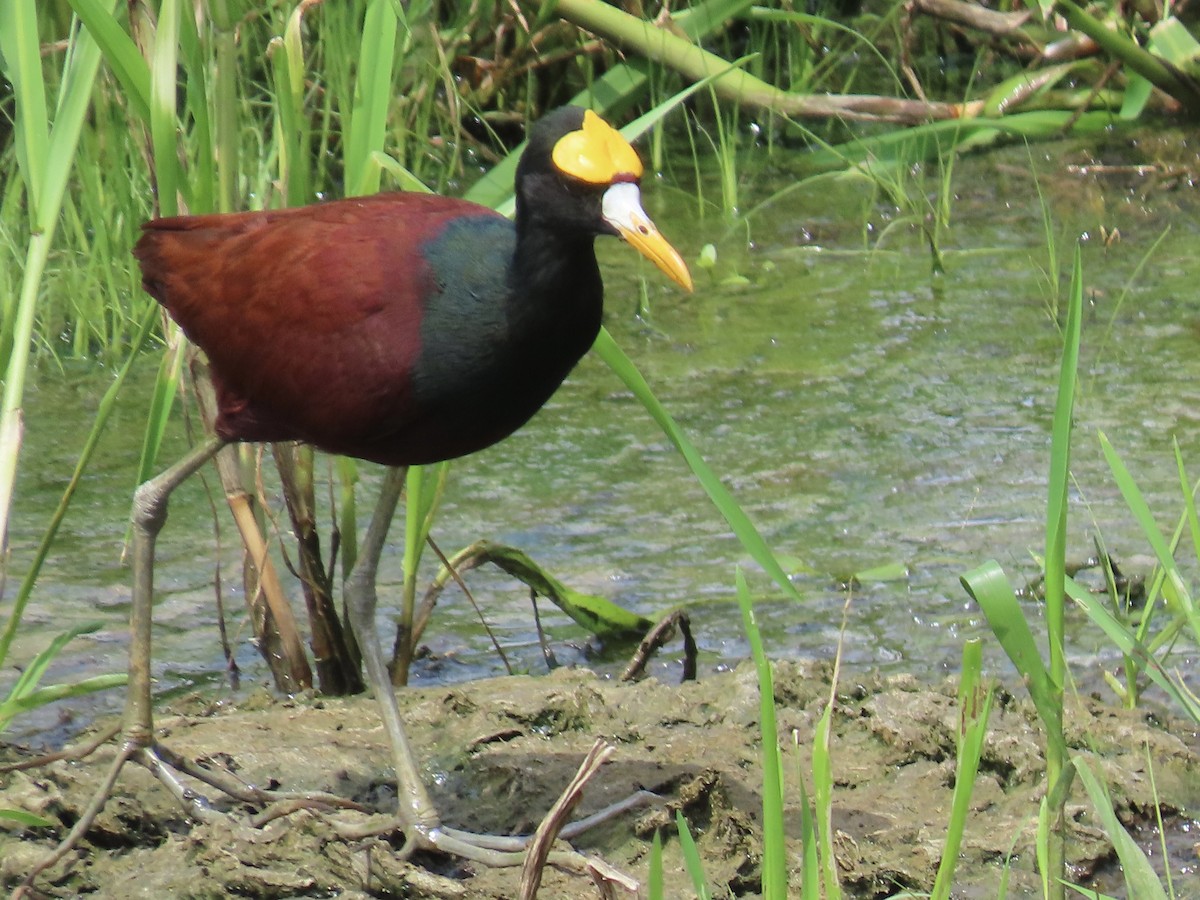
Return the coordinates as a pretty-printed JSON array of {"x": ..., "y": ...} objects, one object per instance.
[
  {"x": 149, "y": 515},
  {"x": 415, "y": 808},
  {"x": 416, "y": 812},
  {"x": 417, "y": 815}
]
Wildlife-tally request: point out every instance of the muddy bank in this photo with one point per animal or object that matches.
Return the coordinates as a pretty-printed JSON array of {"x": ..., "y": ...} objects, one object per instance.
[{"x": 498, "y": 752}]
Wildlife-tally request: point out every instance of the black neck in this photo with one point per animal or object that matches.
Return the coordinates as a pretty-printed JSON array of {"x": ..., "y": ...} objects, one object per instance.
[{"x": 556, "y": 271}]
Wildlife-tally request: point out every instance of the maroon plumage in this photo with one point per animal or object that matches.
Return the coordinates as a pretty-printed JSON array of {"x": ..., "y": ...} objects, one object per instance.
[{"x": 311, "y": 317}]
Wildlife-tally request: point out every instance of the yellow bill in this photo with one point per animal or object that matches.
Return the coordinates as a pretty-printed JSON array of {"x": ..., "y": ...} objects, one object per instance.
[{"x": 622, "y": 209}]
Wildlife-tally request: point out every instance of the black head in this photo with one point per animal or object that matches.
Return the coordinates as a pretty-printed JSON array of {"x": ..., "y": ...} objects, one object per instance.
[
  {"x": 548, "y": 195},
  {"x": 579, "y": 175}
]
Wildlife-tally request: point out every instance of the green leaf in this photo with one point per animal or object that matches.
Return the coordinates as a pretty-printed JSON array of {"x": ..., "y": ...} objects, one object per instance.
[
  {"x": 975, "y": 706},
  {"x": 601, "y": 617},
  {"x": 1131, "y": 647},
  {"x": 743, "y": 528},
  {"x": 162, "y": 398},
  {"x": 46, "y": 198},
  {"x": 691, "y": 858},
  {"x": 1140, "y": 878},
  {"x": 1016, "y": 88},
  {"x": 1175, "y": 589},
  {"x": 104, "y": 411},
  {"x": 654, "y": 877},
  {"x": 372, "y": 94},
  {"x": 810, "y": 869},
  {"x": 990, "y": 588},
  {"x": 120, "y": 52},
  {"x": 27, "y": 819},
  {"x": 822, "y": 775},
  {"x": 20, "y": 49},
  {"x": 54, "y": 692},
  {"x": 1137, "y": 94},
  {"x": 33, "y": 672},
  {"x": 163, "y": 116},
  {"x": 774, "y": 863},
  {"x": 287, "y": 64},
  {"x": 1059, "y": 479},
  {"x": 886, "y": 572},
  {"x": 1170, "y": 39}
]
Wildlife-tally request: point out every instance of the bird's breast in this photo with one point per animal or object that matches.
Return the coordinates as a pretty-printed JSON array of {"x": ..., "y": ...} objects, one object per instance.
[{"x": 495, "y": 344}]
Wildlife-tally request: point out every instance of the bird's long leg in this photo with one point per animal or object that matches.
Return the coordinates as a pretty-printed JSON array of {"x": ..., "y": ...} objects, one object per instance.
[
  {"x": 137, "y": 728},
  {"x": 416, "y": 810},
  {"x": 149, "y": 515},
  {"x": 417, "y": 814}
]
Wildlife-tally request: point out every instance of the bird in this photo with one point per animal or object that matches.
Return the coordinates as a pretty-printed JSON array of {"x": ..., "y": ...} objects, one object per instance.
[
  {"x": 406, "y": 328},
  {"x": 401, "y": 329}
]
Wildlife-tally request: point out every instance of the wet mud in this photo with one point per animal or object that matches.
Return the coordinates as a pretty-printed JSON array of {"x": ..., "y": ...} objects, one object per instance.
[{"x": 497, "y": 753}]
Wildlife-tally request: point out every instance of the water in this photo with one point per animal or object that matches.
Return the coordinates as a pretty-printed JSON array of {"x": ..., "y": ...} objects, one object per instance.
[{"x": 862, "y": 409}]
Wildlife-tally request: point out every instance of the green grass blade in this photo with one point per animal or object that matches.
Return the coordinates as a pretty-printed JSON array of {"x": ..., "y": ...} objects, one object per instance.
[
  {"x": 14, "y": 706},
  {"x": 200, "y": 185},
  {"x": 225, "y": 125},
  {"x": 103, "y": 411},
  {"x": 1163, "y": 849},
  {"x": 654, "y": 877},
  {"x": 975, "y": 706},
  {"x": 601, "y": 616},
  {"x": 1127, "y": 642},
  {"x": 405, "y": 180},
  {"x": 162, "y": 398},
  {"x": 287, "y": 66},
  {"x": 774, "y": 864},
  {"x": 419, "y": 505},
  {"x": 32, "y": 674},
  {"x": 1189, "y": 502},
  {"x": 884, "y": 572},
  {"x": 120, "y": 52},
  {"x": 347, "y": 485},
  {"x": 810, "y": 871},
  {"x": 1059, "y": 773},
  {"x": 20, "y": 49},
  {"x": 990, "y": 589},
  {"x": 691, "y": 858},
  {"x": 82, "y": 61},
  {"x": 1041, "y": 845},
  {"x": 163, "y": 116},
  {"x": 822, "y": 764},
  {"x": 25, "y": 693},
  {"x": 28, "y": 819},
  {"x": 1140, "y": 879},
  {"x": 1060, "y": 460},
  {"x": 372, "y": 94},
  {"x": 71, "y": 111},
  {"x": 1178, "y": 596},
  {"x": 742, "y": 527},
  {"x": 1088, "y": 893}
]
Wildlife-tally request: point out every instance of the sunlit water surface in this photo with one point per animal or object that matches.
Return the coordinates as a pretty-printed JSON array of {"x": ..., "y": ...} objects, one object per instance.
[{"x": 862, "y": 409}]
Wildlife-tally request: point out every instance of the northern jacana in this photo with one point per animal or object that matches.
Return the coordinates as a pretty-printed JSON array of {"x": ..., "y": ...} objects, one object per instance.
[{"x": 401, "y": 329}]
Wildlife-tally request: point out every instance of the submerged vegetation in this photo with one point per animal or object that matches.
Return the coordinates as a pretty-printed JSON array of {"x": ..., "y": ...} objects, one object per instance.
[{"x": 111, "y": 113}]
